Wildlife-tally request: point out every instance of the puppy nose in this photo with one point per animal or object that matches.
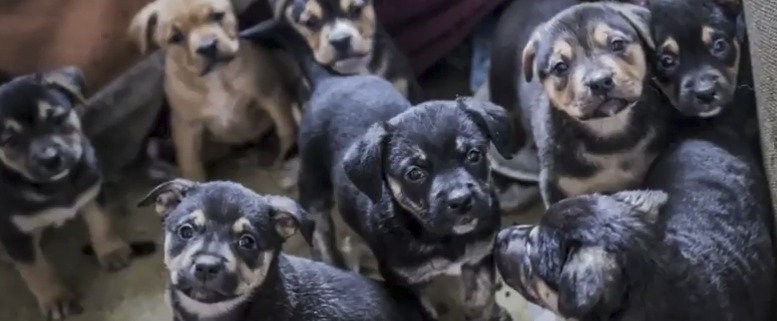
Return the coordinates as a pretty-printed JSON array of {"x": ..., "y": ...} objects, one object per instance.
[
  {"x": 49, "y": 157},
  {"x": 207, "y": 268},
  {"x": 704, "y": 89},
  {"x": 208, "y": 49},
  {"x": 460, "y": 200},
  {"x": 600, "y": 83},
  {"x": 341, "y": 42}
]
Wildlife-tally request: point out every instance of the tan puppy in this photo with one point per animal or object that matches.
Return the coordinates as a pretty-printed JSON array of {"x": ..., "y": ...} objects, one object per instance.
[{"x": 215, "y": 83}]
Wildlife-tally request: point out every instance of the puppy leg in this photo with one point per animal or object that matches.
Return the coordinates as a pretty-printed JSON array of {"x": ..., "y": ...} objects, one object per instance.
[
  {"x": 280, "y": 108},
  {"x": 55, "y": 301},
  {"x": 479, "y": 284},
  {"x": 112, "y": 252},
  {"x": 187, "y": 137},
  {"x": 549, "y": 190},
  {"x": 315, "y": 195}
]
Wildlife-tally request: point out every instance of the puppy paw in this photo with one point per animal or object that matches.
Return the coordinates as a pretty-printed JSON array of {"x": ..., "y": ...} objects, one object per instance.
[
  {"x": 59, "y": 303},
  {"x": 114, "y": 255}
]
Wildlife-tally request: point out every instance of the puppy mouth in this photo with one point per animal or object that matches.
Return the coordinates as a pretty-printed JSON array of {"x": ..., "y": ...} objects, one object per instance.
[
  {"x": 351, "y": 64},
  {"x": 211, "y": 64},
  {"x": 60, "y": 175},
  {"x": 608, "y": 108},
  {"x": 465, "y": 225},
  {"x": 205, "y": 295}
]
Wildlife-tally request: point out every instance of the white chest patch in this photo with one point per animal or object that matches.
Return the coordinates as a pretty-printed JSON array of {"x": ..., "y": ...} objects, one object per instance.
[
  {"x": 439, "y": 266},
  {"x": 54, "y": 216},
  {"x": 617, "y": 171}
]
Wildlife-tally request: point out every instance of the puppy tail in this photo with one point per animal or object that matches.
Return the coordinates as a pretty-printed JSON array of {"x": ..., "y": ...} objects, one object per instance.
[{"x": 275, "y": 33}]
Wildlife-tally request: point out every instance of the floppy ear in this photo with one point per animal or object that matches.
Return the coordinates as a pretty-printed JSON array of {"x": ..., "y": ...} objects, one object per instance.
[
  {"x": 68, "y": 80},
  {"x": 495, "y": 122},
  {"x": 648, "y": 202},
  {"x": 144, "y": 26},
  {"x": 289, "y": 217},
  {"x": 741, "y": 28},
  {"x": 167, "y": 196},
  {"x": 591, "y": 278},
  {"x": 528, "y": 57},
  {"x": 363, "y": 162},
  {"x": 731, "y": 8},
  {"x": 639, "y": 18}
]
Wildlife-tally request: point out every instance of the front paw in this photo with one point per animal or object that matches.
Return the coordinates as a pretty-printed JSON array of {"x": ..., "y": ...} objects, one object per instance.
[
  {"x": 59, "y": 303},
  {"x": 114, "y": 255}
]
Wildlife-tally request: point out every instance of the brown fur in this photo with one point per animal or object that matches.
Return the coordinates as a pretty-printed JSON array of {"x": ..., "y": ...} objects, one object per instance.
[{"x": 229, "y": 102}]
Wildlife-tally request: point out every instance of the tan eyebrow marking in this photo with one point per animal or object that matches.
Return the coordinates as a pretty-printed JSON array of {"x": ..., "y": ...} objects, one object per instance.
[
  {"x": 671, "y": 46},
  {"x": 563, "y": 49},
  {"x": 13, "y": 125},
  {"x": 240, "y": 225},
  {"x": 707, "y": 34},
  {"x": 602, "y": 33},
  {"x": 198, "y": 217}
]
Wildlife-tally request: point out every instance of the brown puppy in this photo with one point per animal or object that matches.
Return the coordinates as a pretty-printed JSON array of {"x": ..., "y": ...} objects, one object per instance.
[{"x": 216, "y": 84}]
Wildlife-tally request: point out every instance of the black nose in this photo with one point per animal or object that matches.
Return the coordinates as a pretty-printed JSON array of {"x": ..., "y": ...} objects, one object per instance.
[
  {"x": 705, "y": 92},
  {"x": 49, "y": 158},
  {"x": 207, "y": 269},
  {"x": 460, "y": 200},
  {"x": 341, "y": 42},
  {"x": 208, "y": 49},
  {"x": 600, "y": 83}
]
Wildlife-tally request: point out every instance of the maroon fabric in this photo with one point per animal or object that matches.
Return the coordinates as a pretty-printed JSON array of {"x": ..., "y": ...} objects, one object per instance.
[{"x": 426, "y": 30}]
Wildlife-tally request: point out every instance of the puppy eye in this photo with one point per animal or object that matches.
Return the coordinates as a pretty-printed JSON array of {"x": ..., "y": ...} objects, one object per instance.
[
  {"x": 312, "y": 23},
  {"x": 415, "y": 174},
  {"x": 667, "y": 61},
  {"x": 474, "y": 156},
  {"x": 618, "y": 45},
  {"x": 247, "y": 242},
  {"x": 560, "y": 69},
  {"x": 720, "y": 46},
  {"x": 216, "y": 16},
  {"x": 186, "y": 231},
  {"x": 176, "y": 37},
  {"x": 355, "y": 11}
]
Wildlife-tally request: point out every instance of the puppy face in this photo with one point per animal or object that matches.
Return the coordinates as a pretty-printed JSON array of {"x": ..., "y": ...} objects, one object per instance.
[
  {"x": 199, "y": 33},
  {"x": 579, "y": 259},
  {"x": 591, "y": 58},
  {"x": 40, "y": 133},
  {"x": 439, "y": 174},
  {"x": 221, "y": 238},
  {"x": 698, "y": 54},
  {"x": 340, "y": 32}
]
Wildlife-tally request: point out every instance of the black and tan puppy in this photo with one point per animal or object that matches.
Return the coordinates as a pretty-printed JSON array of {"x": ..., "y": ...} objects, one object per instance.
[
  {"x": 700, "y": 44},
  {"x": 222, "y": 247},
  {"x": 703, "y": 253},
  {"x": 597, "y": 121},
  {"x": 346, "y": 38},
  {"x": 48, "y": 173}
]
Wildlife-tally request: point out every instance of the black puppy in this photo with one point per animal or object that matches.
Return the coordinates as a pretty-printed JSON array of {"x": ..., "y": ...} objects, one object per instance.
[
  {"x": 345, "y": 37},
  {"x": 706, "y": 255},
  {"x": 48, "y": 173},
  {"x": 222, "y": 247},
  {"x": 597, "y": 121}
]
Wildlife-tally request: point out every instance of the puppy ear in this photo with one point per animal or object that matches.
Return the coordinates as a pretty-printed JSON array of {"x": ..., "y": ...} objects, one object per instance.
[
  {"x": 528, "y": 57},
  {"x": 68, "y": 80},
  {"x": 731, "y": 8},
  {"x": 363, "y": 162},
  {"x": 289, "y": 217},
  {"x": 648, "y": 202},
  {"x": 167, "y": 196},
  {"x": 495, "y": 122},
  {"x": 144, "y": 27},
  {"x": 639, "y": 18},
  {"x": 741, "y": 28},
  {"x": 591, "y": 278}
]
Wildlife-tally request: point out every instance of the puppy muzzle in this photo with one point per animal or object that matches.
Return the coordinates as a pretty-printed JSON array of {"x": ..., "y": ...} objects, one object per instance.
[{"x": 207, "y": 280}]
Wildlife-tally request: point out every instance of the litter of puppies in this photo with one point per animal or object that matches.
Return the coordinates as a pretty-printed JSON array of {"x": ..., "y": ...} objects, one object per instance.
[{"x": 656, "y": 202}]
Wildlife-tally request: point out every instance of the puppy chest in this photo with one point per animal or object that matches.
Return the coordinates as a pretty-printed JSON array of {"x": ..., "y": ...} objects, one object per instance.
[
  {"x": 437, "y": 265},
  {"x": 234, "y": 120},
  {"x": 56, "y": 215},
  {"x": 613, "y": 172}
]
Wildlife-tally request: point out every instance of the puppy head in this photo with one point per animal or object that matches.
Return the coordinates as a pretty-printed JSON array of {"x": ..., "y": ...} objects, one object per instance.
[
  {"x": 40, "y": 133},
  {"x": 432, "y": 161},
  {"x": 591, "y": 58},
  {"x": 339, "y": 32},
  {"x": 580, "y": 259},
  {"x": 199, "y": 33},
  {"x": 221, "y": 238},
  {"x": 698, "y": 52}
]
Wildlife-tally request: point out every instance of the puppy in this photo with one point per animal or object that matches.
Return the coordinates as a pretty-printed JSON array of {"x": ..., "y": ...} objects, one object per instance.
[
  {"x": 346, "y": 39},
  {"x": 703, "y": 253},
  {"x": 597, "y": 122},
  {"x": 222, "y": 247},
  {"x": 48, "y": 173},
  {"x": 216, "y": 84},
  {"x": 699, "y": 49}
]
